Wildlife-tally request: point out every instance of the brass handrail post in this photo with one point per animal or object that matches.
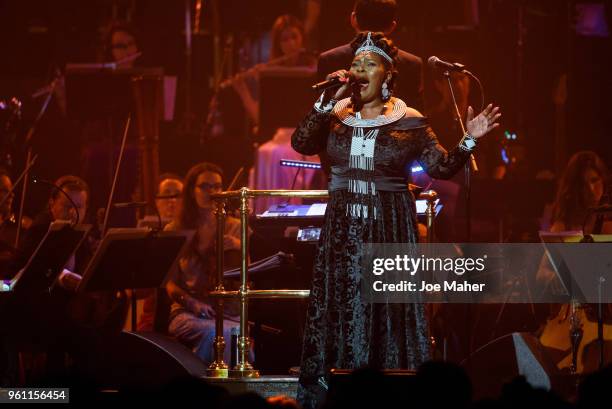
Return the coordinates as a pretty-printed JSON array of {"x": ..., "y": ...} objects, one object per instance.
[
  {"x": 430, "y": 213},
  {"x": 218, "y": 368},
  {"x": 243, "y": 368},
  {"x": 430, "y": 197}
]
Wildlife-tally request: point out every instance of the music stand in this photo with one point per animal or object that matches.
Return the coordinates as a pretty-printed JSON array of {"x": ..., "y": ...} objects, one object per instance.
[
  {"x": 134, "y": 259},
  {"x": 98, "y": 93},
  {"x": 285, "y": 96},
  {"x": 552, "y": 242},
  {"x": 48, "y": 260}
]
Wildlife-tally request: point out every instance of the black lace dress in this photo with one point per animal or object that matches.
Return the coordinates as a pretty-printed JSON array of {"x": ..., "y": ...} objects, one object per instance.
[{"x": 342, "y": 331}]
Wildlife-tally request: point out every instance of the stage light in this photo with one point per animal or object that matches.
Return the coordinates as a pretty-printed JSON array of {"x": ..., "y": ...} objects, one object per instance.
[
  {"x": 511, "y": 136},
  {"x": 300, "y": 164},
  {"x": 504, "y": 156}
]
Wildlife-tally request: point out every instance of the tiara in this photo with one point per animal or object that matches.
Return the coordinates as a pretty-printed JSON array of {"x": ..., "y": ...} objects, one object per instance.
[{"x": 368, "y": 45}]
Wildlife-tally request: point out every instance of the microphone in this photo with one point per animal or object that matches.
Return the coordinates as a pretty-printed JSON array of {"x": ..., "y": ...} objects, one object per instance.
[
  {"x": 336, "y": 82},
  {"x": 435, "y": 62}
]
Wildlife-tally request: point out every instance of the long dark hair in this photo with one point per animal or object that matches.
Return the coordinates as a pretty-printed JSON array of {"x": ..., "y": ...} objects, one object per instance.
[
  {"x": 571, "y": 205},
  {"x": 187, "y": 217}
]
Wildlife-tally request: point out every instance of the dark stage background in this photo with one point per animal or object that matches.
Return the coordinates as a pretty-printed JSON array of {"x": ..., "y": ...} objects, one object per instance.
[
  {"x": 546, "y": 63},
  {"x": 521, "y": 50}
]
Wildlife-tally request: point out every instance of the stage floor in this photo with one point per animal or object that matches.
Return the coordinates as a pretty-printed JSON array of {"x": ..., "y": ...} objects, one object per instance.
[{"x": 266, "y": 386}]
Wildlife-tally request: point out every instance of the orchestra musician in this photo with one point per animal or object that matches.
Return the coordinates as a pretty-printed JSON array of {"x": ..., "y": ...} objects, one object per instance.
[
  {"x": 168, "y": 202},
  {"x": 59, "y": 208},
  {"x": 234, "y": 109},
  {"x": 192, "y": 316},
  {"x": 581, "y": 187},
  {"x": 121, "y": 46},
  {"x": 102, "y": 137},
  {"x": 287, "y": 51},
  {"x": 66, "y": 322},
  {"x": 8, "y": 223}
]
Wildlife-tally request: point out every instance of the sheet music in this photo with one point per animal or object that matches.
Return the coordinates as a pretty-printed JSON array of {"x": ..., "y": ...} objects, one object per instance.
[
  {"x": 268, "y": 213},
  {"x": 421, "y": 205},
  {"x": 317, "y": 209}
]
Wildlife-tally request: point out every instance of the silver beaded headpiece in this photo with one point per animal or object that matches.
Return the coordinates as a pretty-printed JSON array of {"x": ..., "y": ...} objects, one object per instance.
[{"x": 368, "y": 45}]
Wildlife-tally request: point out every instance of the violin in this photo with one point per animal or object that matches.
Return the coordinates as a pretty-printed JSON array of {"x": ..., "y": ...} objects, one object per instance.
[
  {"x": 256, "y": 68},
  {"x": 8, "y": 251}
]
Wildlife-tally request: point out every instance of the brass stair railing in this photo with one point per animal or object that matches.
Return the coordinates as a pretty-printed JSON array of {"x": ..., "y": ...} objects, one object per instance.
[{"x": 243, "y": 369}]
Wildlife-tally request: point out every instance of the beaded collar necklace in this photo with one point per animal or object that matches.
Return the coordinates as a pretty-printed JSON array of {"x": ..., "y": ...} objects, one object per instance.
[{"x": 342, "y": 111}]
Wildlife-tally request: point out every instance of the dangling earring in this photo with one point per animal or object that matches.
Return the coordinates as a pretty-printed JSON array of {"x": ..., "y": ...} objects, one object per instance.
[{"x": 385, "y": 93}]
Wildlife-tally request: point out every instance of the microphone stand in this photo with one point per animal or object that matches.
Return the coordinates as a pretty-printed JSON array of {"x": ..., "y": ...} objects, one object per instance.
[
  {"x": 468, "y": 213},
  {"x": 471, "y": 165}
]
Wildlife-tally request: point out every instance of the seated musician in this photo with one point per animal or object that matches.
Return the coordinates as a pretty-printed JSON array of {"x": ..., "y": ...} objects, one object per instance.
[
  {"x": 192, "y": 316},
  {"x": 65, "y": 322},
  {"x": 168, "y": 202},
  {"x": 287, "y": 51},
  {"x": 121, "y": 45},
  {"x": 97, "y": 309},
  {"x": 6, "y": 209},
  {"x": 101, "y": 138},
  {"x": 234, "y": 112},
  {"x": 581, "y": 187},
  {"x": 59, "y": 208},
  {"x": 8, "y": 223}
]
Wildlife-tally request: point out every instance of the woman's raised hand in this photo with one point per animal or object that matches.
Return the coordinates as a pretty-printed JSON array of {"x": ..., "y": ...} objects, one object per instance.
[{"x": 484, "y": 122}]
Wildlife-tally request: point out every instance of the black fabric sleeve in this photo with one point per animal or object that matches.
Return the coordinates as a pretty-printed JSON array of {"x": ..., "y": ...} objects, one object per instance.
[
  {"x": 437, "y": 162},
  {"x": 310, "y": 136}
]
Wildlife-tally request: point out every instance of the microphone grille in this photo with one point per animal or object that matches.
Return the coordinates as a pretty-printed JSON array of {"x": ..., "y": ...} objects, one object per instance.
[{"x": 432, "y": 61}]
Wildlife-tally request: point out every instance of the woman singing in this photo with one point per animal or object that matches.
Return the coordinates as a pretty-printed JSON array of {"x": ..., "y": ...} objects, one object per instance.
[{"x": 369, "y": 138}]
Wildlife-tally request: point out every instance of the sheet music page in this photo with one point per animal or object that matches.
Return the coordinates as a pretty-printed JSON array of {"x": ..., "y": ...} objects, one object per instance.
[{"x": 317, "y": 209}]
